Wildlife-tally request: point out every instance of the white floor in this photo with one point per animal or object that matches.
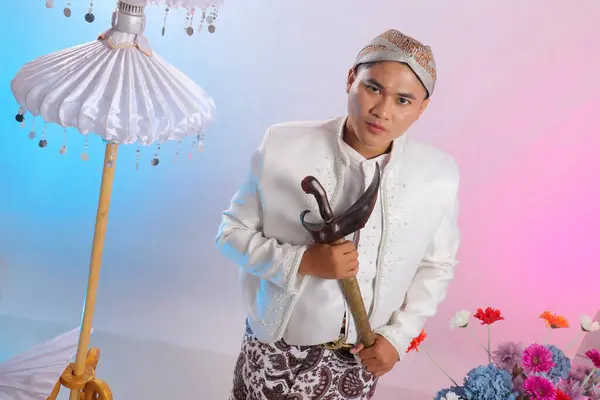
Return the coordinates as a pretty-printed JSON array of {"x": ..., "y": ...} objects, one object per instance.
[{"x": 145, "y": 370}]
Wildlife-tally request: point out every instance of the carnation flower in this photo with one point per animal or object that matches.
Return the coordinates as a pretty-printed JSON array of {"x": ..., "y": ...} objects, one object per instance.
[
  {"x": 594, "y": 356},
  {"x": 489, "y": 316},
  {"x": 537, "y": 359},
  {"x": 539, "y": 388},
  {"x": 508, "y": 356},
  {"x": 489, "y": 383},
  {"x": 416, "y": 342},
  {"x": 588, "y": 325},
  {"x": 460, "y": 320}
]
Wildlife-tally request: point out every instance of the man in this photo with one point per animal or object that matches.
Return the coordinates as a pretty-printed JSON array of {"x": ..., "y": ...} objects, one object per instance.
[{"x": 301, "y": 340}]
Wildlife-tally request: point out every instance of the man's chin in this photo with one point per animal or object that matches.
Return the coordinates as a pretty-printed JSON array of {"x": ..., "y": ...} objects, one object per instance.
[{"x": 375, "y": 142}]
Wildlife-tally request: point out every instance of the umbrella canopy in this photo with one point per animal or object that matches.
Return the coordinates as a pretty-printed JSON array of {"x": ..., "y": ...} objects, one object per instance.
[
  {"x": 115, "y": 87},
  {"x": 32, "y": 374}
]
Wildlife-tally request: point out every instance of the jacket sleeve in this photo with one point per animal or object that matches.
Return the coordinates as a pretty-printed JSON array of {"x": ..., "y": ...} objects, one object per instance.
[
  {"x": 429, "y": 286},
  {"x": 241, "y": 239}
]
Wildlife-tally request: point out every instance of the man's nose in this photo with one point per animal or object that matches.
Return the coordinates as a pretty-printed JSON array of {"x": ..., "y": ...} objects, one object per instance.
[{"x": 381, "y": 109}]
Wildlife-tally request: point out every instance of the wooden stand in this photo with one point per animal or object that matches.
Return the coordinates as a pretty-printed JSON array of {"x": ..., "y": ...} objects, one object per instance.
[
  {"x": 86, "y": 386},
  {"x": 80, "y": 376}
]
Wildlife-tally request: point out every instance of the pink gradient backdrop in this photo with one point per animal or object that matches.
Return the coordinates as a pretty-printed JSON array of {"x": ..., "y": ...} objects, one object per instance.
[{"x": 516, "y": 104}]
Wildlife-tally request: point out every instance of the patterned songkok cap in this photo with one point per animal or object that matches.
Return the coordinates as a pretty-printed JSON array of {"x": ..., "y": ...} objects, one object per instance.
[{"x": 395, "y": 46}]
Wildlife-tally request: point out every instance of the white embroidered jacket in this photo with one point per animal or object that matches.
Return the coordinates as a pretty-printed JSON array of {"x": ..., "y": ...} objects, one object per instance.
[{"x": 261, "y": 230}]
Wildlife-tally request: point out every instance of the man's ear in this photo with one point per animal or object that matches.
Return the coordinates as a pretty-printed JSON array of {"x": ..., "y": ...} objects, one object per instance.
[
  {"x": 423, "y": 106},
  {"x": 351, "y": 79}
]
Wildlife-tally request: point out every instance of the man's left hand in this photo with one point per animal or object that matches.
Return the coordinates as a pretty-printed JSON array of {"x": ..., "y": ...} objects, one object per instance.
[{"x": 378, "y": 359}]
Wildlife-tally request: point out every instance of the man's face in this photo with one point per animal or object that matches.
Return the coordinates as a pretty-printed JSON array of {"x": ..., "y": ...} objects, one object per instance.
[{"x": 384, "y": 99}]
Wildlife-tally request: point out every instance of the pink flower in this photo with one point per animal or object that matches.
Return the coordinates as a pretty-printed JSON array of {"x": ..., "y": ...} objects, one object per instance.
[
  {"x": 508, "y": 356},
  {"x": 537, "y": 359},
  {"x": 539, "y": 388},
  {"x": 594, "y": 355}
]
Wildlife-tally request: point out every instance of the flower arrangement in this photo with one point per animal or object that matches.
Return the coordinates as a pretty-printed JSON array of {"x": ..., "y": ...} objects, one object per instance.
[{"x": 517, "y": 372}]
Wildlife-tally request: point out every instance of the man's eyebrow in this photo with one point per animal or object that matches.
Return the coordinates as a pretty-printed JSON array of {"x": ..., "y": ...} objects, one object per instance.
[{"x": 378, "y": 85}]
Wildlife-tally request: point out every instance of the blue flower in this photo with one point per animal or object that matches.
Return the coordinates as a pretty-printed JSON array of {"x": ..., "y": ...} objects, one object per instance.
[
  {"x": 442, "y": 393},
  {"x": 489, "y": 382},
  {"x": 562, "y": 364}
]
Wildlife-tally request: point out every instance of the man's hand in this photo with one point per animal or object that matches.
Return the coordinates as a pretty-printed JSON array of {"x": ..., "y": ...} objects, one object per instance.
[
  {"x": 378, "y": 359},
  {"x": 326, "y": 261}
]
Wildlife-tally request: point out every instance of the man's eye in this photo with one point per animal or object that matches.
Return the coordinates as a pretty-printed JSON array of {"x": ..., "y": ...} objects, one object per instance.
[
  {"x": 402, "y": 100},
  {"x": 373, "y": 89}
]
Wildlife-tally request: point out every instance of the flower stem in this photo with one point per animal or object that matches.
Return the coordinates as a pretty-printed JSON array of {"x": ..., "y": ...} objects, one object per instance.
[
  {"x": 438, "y": 365},
  {"x": 489, "y": 349},
  {"x": 588, "y": 377},
  {"x": 477, "y": 340},
  {"x": 572, "y": 342},
  {"x": 548, "y": 335}
]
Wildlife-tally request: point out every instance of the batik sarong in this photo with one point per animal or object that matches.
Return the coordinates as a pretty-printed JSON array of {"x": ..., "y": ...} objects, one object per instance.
[{"x": 284, "y": 372}]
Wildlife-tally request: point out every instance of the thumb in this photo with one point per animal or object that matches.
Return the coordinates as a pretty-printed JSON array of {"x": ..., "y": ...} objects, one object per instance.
[{"x": 357, "y": 348}]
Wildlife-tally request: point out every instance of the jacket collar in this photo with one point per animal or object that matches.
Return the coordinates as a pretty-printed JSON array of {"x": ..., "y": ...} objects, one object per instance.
[{"x": 336, "y": 128}]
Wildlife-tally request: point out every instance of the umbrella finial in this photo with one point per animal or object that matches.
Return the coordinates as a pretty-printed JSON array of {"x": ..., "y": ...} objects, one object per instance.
[{"x": 129, "y": 18}]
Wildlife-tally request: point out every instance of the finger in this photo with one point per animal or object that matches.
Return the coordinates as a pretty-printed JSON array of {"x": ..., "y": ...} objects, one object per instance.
[
  {"x": 345, "y": 273},
  {"x": 346, "y": 247},
  {"x": 377, "y": 371},
  {"x": 351, "y": 265},
  {"x": 357, "y": 348},
  {"x": 367, "y": 354},
  {"x": 374, "y": 366},
  {"x": 351, "y": 255},
  {"x": 379, "y": 374},
  {"x": 371, "y": 363}
]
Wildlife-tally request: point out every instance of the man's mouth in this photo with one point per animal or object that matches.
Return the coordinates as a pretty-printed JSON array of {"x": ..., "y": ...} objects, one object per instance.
[{"x": 375, "y": 128}]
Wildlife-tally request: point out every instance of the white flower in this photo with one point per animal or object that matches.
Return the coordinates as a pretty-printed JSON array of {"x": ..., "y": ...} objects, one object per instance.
[
  {"x": 587, "y": 325},
  {"x": 450, "y": 396},
  {"x": 460, "y": 320}
]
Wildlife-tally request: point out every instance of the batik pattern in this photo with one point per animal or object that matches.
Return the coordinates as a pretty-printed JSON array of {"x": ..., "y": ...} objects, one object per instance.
[{"x": 283, "y": 372}]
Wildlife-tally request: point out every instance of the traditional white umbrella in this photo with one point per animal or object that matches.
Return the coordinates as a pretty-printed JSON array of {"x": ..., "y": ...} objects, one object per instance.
[
  {"x": 118, "y": 88},
  {"x": 32, "y": 375},
  {"x": 208, "y": 10}
]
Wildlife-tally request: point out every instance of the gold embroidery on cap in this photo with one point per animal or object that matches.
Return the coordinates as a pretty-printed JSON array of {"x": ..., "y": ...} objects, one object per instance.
[
  {"x": 420, "y": 53},
  {"x": 371, "y": 49}
]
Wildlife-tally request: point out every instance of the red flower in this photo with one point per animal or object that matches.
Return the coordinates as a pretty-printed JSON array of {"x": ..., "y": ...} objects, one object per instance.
[
  {"x": 416, "y": 342},
  {"x": 489, "y": 316},
  {"x": 560, "y": 395},
  {"x": 594, "y": 356}
]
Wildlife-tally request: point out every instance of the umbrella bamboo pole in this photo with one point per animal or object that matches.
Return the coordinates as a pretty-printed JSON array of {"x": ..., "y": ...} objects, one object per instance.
[{"x": 108, "y": 174}]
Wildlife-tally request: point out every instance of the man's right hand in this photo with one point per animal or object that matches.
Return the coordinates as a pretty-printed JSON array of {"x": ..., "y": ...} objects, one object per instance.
[{"x": 326, "y": 261}]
